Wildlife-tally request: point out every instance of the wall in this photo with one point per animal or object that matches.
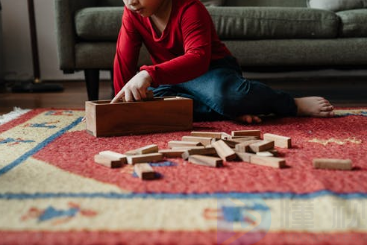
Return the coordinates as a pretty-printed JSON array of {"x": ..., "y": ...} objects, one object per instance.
[{"x": 17, "y": 45}]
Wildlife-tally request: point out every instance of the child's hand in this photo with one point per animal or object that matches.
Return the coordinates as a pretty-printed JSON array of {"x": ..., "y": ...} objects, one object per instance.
[{"x": 135, "y": 89}]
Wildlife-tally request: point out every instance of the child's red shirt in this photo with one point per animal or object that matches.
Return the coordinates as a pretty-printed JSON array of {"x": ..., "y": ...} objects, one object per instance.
[{"x": 183, "y": 52}]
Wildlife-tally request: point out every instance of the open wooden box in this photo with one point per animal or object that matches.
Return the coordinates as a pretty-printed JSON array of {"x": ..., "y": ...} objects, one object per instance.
[{"x": 126, "y": 118}]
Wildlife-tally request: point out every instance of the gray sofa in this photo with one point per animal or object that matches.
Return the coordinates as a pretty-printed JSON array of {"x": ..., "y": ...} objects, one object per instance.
[{"x": 262, "y": 34}]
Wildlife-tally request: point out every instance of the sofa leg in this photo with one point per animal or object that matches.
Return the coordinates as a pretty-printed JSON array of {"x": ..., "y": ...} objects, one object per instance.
[{"x": 92, "y": 82}]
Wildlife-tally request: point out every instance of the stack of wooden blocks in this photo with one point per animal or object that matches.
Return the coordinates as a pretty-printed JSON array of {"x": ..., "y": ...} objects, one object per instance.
[{"x": 212, "y": 149}]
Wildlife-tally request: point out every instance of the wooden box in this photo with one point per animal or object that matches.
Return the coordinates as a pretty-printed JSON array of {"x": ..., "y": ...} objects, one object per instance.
[{"x": 126, "y": 118}]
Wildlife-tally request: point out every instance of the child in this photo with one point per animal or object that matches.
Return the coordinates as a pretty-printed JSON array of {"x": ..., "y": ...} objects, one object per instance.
[{"x": 190, "y": 61}]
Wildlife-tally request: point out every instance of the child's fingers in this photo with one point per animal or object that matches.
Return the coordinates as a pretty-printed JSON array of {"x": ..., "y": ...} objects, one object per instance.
[
  {"x": 143, "y": 94},
  {"x": 257, "y": 119},
  {"x": 118, "y": 96},
  {"x": 136, "y": 94},
  {"x": 129, "y": 97}
]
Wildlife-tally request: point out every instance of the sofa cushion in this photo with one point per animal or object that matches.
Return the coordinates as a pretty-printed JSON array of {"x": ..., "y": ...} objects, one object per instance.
[
  {"x": 337, "y": 5},
  {"x": 210, "y": 3},
  {"x": 98, "y": 23},
  {"x": 273, "y": 23},
  {"x": 266, "y": 3},
  {"x": 353, "y": 23},
  {"x": 103, "y": 23}
]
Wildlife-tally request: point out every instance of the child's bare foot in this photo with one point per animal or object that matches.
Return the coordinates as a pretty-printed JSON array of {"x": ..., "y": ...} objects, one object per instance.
[
  {"x": 249, "y": 119},
  {"x": 314, "y": 107}
]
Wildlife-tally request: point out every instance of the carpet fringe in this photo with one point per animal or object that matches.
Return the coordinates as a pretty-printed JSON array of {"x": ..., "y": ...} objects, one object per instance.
[{"x": 17, "y": 112}]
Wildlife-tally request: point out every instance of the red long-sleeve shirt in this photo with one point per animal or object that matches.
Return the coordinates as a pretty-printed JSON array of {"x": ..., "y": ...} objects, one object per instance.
[{"x": 183, "y": 52}]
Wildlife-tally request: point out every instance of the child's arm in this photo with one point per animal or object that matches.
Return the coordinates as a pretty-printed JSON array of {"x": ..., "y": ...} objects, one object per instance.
[{"x": 127, "y": 53}]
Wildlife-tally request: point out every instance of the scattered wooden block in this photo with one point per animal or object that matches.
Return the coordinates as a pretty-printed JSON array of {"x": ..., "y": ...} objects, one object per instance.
[
  {"x": 244, "y": 138},
  {"x": 215, "y": 135},
  {"x": 177, "y": 143},
  {"x": 231, "y": 143},
  {"x": 275, "y": 162},
  {"x": 225, "y": 136},
  {"x": 160, "y": 115},
  {"x": 224, "y": 151},
  {"x": 263, "y": 145},
  {"x": 274, "y": 152},
  {"x": 110, "y": 162},
  {"x": 151, "y": 157},
  {"x": 203, "y": 140},
  {"x": 244, "y": 156},
  {"x": 335, "y": 164},
  {"x": 171, "y": 153},
  {"x": 244, "y": 146},
  {"x": 264, "y": 154},
  {"x": 112, "y": 154},
  {"x": 206, "y": 151},
  {"x": 185, "y": 148},
  {"x": 209, "y": 161},
  {"x": 143, "y": 150},
  {"x": 144, "y": 171},
  {"x": 279, "y": 141},
  {"x": 256, "y": 133}
]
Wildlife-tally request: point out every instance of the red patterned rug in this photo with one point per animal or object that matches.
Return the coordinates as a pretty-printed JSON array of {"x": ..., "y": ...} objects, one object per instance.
[{"x": 52, "y": 192}]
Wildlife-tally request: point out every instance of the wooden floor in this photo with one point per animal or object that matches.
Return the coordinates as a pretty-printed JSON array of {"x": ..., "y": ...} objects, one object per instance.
[{"x": 345, "y": 92}]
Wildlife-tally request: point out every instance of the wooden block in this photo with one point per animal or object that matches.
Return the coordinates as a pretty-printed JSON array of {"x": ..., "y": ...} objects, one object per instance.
[
  {"x": 225, "y": 136},
  {"x": 274, "y": 162},
  {"x": 185, "y": 148},
  {"x": 274, "y": 152},
  {"x": 279, "y": 141},
  {"x": 244, "y": 146},
  {"x": 264, "y": 154},
  {"x": 231, "y": 143},
  {"x": 171, "y": 153},
  {"x": 177, "y": 143},
  {"x": 336, "y": 164},
  {"x": 143, "y": 150},
  {"x": 224, "y": 151},
  {"x": 144, "y": 171},
  {"x": 112, "y": 154},
  {"x": 110, "y": 162},
  {"x": 244, "y": 156},
  {"x": 202, "y": 140},
  {"x": 125, "y": 118},
  {"x": 256, "y": 133},
  {"x": 209, "y": 161},
  {"x": 152, "y": 157},
  {"x": 215, "y": 135},
  {"x": 263, "y": 145},
  {"x": 244, "y": 138},
  {"x": 206, "y": 151}
]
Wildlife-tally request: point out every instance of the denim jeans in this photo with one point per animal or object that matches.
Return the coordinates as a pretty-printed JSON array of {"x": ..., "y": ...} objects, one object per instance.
[{"x": 222, "y": 93}]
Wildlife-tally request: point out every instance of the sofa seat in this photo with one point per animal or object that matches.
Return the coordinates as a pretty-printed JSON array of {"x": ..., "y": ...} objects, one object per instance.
[
  {"x": 354, "y": 23},
  {"x": 274, "y": 23}
]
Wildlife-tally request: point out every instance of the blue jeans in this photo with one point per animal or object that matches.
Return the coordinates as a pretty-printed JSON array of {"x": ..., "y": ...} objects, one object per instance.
[{"x": 222, "y": 93}]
